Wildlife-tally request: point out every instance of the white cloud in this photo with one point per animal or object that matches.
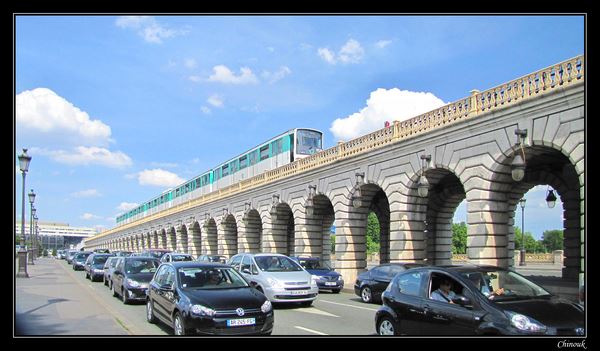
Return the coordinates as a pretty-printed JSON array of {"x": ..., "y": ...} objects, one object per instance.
[
  {"x": 86, "y": 193},
  {"x": 41, "y": 110},
  {"x": 383, "y": 43},
  {"x": 205, "y": 110},
  {"x": 189, "y": 63},
  {"x": 148, "y": 28},
  {"x": 215, "y": 100},
  {"x": 222, "y": 74},
  {"x": 327, "y": 55},
  {"x": 126, "y": 206},
  {"x": 273, "y": 77},
  {"x": 164, "y": 164},
  {"x": 159, "y": 177},
  {"x": 384, "y": 105},
  {"x": 83, "y": 155},
  {"x": 350, "y": 52},
  {"x": 89, "y": 216}
]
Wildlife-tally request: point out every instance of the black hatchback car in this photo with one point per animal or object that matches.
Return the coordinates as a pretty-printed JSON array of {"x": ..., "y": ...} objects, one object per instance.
[
  {"x": 370, "y": 284},
  {"x": 484, "y": 300},
  {"x": 131, "y": 276},
  {"x": 207, "y": 298}
]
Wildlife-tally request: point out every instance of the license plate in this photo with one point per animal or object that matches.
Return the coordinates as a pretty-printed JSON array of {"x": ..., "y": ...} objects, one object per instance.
[
  {"x": 299, "y": 292},
  {"x": 330, "y": 283},
  {"x": 238, "y": 322}
]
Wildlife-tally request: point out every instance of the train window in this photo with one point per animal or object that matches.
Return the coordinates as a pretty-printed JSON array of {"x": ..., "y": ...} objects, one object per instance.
[
  {"x": 264, "y": 152},
  {"x": 277, "y": 146},
  {"x": 308, "y": 142},
  {"x": 225, "y": 170},
  {"x": 198, "y": 183},
  {"x": 234, "y": 166},
  {"x": 243, "y": 161},
  {"x": 253, "y": 158}
]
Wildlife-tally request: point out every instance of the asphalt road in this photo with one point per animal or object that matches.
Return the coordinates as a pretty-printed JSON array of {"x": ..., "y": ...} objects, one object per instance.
[{"x": 330, "y": 314}]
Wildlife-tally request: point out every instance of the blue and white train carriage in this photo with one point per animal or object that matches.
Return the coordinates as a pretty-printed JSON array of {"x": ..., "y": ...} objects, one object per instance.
[{"x": 283, "y": 149}]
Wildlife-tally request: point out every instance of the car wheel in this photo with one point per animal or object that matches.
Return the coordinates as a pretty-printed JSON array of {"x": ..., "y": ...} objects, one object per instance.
[
  {"x": 112, "y": 287},
  {"x": 336, "y": 291},
  {"x": 104, "y": 281},
  {"x": 306, "y": 303},
  {"x": 178, "y": 325},
  {"x": 387, "y": 326},
  {"x": 366, "y": 295},
  {"x": 150, "y": 312},
  {"x": 87, "y": 276},
  {"x": 124, "y": 296}
]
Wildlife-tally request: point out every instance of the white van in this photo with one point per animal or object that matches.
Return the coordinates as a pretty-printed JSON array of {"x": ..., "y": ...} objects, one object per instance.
[{"x": 277, "y": 276}]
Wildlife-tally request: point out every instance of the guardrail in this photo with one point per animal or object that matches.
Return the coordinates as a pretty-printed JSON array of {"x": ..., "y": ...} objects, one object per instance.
[{"x": 535, "y": 84}]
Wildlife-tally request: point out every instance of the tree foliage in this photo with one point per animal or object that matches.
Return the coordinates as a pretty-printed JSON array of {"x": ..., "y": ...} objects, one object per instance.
[
  {"x": 553, "y": 239},
  {"x": 373, "y": 233},
  {"x": 459, "y": 238}
]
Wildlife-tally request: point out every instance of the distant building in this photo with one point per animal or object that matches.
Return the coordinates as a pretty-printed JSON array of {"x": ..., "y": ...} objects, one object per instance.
[{"x": 57, "y": 235}]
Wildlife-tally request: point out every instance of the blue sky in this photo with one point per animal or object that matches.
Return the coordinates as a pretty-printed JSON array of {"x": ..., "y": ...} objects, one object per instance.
[{"x": 114, "y": 110}]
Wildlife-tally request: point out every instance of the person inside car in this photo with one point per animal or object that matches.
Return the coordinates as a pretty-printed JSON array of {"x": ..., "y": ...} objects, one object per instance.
[
  {"x": 214, "y": 277},
  {"x": 485, "y": 288},
  {"x": 444, "y": 292}
]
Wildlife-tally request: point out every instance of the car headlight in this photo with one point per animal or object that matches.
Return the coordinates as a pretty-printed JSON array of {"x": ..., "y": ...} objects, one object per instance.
[
  {"x": 340, "y": 278},
  {"x": 525, "y": 323},
  {"x": 266, "y": 307},
  {"x": 203, "y": 310},
  {"x": 274, "y": 283},
  {"x": 314, "y": 279},
  {"x": 133, "y": 283},
  {"x": 96, "y": 270}
]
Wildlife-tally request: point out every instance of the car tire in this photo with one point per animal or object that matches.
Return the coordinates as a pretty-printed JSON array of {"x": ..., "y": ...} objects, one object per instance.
[
  {"x": 306, "y": 303},
  {"x": 112, "y": 287},
  {"x": 87, "y": 276},
  {"x": 124, "y": 296},
  {"x": 104, "y": 281},
  {"x": 150, "y": 312},
  {"x": 366, "y": 295},
  {"x": 336, "y": 291},
  {"x": 178, "y": 325},
  {"x": 387, "y": 326}
]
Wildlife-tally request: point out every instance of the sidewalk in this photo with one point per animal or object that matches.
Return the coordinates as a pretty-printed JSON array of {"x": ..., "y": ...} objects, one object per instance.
[{"x": 52, "y": 303}]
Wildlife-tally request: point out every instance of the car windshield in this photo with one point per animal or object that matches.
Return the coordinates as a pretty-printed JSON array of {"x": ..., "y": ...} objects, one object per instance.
[
  {"x": 277, "y": 264},
  {"x": 210, "y": 278},
  {"x": 221, "y": 259},
  {"x": 157, "y": 254},
  {"x": 181, "y": 258},
  {"x": 514, "y": 286},
  {"x": 315, "y": 264},
  {"x": 100, "y": 259},
  {"x": 141, "y": 266}
]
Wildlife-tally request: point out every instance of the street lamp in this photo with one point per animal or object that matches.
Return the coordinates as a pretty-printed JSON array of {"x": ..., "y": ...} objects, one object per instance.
[
  {"x": 24, "y": 160},
  {"x": 522, "y": 203},
  {"x": 518, "y": 164},
  {"x": 551, "y": 198},
  {"x": 423, "y": 185}
]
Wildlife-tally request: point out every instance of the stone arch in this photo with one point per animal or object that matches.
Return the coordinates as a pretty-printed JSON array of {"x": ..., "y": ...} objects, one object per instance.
[
  {"x": 282, "y": 230},
  {"x": 182, "y": 239},
  {"x": 228, "y": 236},
  {"x": 148, "y": 240},
  {"x": 195, "y": 243},
  {"x": 172, "y": 239},
  {"x": 163, "y": 239},
  {"x": 210, "y": 237},
  {"x": 374, "y": 199},
  {"x": 155, "y": 243},
  {"x": 250, "y": 232},
  {"x": 316, "y": 235}
]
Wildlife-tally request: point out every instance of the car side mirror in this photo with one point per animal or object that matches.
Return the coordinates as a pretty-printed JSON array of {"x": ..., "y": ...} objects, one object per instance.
[
  {"x": 462, "y": 300},
  {"x": 246, "y": 270},
  {"x": 166, "y": 287}
]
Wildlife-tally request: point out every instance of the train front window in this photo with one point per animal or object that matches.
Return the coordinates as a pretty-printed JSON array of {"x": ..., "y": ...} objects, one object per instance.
[{"x": 308, "y": 142}]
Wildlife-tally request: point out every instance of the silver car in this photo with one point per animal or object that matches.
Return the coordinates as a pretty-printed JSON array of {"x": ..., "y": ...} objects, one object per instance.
[{"x": 277, "y": 276}]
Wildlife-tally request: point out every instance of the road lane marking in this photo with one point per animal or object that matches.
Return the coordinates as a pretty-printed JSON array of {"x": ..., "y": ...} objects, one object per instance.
[
  {"x": 343, "y": 304},
  {"x": 129, "y": 327},
  {"x": 309, "y": 330},
  {"x": 317, "y": 311}
]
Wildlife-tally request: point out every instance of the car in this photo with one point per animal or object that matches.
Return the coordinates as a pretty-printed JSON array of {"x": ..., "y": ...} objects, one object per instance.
[
  {"x": 70, "y": 254},
  {"x": 212, "y": 258},
  {"x": 101, "y": 251},
  {"x": 109, "y": 267},
  {"x": 277, "y": 276},
  {"x": 207, "y": 298},
  {"x": 61, "y": 254},
  {"x": 370, "y": 284},
  {"x": 79, "y": 260},
  {"x": 325, "y": 276},
  {"x": 488, "y": 300},
  {"x": 156, "y": 253},
  {"x": 94, "y": 265},
  {"x": 175, "y": 257},
  {"x": 122, "y": 253},
  {"x": 131, "y": 277}
]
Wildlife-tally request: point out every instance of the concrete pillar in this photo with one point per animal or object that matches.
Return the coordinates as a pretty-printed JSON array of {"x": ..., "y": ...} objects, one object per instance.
[
  {"x": 350, "y": 242},
  {"x": 195, "y": 240},
  {"x": 250, "y": 233},
  {"x": 171, "y": 239},
  {"x": 209, "y": 237},
  {"x": 228, "y": 237},
  {"x": 182, "y": 239}
]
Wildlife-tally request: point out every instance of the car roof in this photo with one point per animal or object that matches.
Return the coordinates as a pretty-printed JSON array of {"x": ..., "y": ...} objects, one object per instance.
[
  {"x": 184, "y": 264},
  {"x": 469, "y": 267},
  {"x": 261, "y": 254}
]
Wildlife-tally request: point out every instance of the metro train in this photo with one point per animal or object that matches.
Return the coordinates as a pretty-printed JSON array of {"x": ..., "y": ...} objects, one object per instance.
[{"x": 278, "y": 151}]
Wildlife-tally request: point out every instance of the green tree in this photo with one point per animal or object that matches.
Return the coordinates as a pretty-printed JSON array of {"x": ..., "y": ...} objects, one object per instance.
[
  {"x": 531, "y": 244},
  {"x": 553, "y": 239},
  {"x": 459, "y": 238},
  {"x": 332, "y": 243},
  {"x": 372, "y": 233}
]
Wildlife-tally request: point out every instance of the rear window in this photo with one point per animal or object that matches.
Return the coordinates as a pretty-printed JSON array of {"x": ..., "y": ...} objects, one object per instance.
[{"x": 141, "y": 266}]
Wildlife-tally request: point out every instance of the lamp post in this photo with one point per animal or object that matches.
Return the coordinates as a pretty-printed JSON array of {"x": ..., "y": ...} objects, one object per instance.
[
  {"x": 522, "y": 260},
  {"x": 31, "y": 213},
  {"x": 24, "y": 160}
]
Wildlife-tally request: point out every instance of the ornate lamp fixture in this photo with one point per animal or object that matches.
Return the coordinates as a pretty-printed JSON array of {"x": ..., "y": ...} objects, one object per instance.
[
  {"x": 423, "y": 185},
  {"x": 518, "y": 163}
]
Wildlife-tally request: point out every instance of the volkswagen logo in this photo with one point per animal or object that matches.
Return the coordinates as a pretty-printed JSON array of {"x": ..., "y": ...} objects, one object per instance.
[{"x": 240, "y": 311}]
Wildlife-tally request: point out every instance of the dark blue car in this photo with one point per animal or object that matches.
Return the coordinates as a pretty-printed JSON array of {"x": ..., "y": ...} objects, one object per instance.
[{"x": 324, "y": 275}]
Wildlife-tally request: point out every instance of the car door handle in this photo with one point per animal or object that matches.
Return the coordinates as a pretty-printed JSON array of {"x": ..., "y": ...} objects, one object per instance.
[
  {"x": 440, "y": 318},
  {"x": 416, "y": 311}
]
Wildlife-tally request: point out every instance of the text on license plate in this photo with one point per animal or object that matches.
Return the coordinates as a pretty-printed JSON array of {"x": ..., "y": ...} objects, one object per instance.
[
  {"x": 238, "y": 322},
  {"x": 330, "y": 283},
  {"x": 299, "y": 292}
]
